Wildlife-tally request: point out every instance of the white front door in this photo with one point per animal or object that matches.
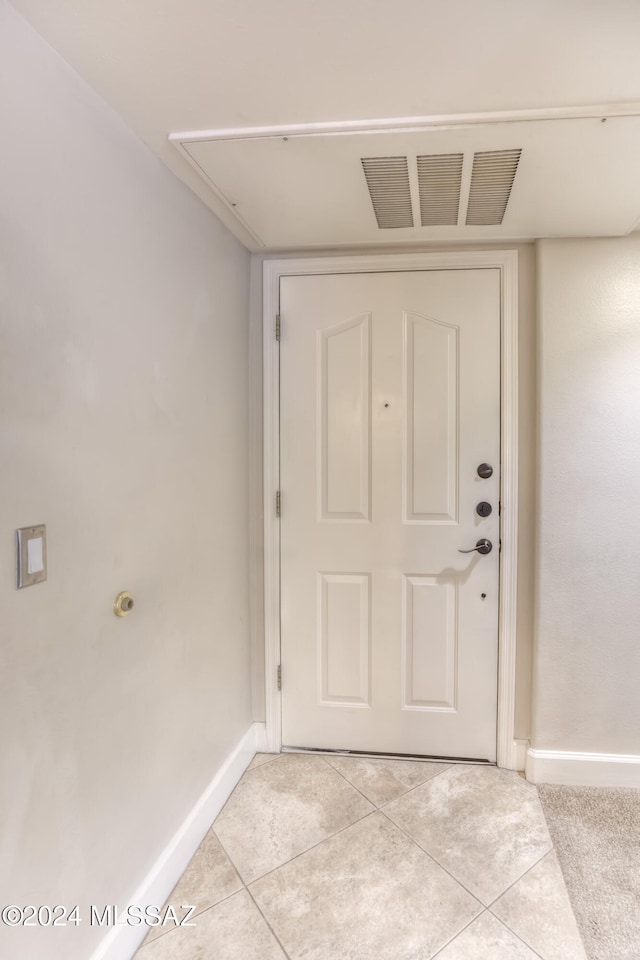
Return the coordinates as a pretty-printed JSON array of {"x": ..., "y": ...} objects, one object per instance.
[{"x": 389, "y": 403}]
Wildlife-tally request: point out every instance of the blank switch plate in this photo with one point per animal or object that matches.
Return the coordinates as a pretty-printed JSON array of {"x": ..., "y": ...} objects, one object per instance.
[{"x": 32, "y": 555}]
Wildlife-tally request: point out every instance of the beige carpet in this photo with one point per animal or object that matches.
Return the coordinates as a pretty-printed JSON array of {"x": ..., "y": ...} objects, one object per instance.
[{"x": 596, "y": 833}]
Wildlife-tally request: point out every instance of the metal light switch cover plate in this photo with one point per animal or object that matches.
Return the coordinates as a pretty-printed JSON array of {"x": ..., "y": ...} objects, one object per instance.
[{"x": 26, "y": 578}]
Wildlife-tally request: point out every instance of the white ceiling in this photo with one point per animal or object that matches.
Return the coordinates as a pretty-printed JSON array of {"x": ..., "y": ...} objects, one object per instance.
[{"x": 175, "y": 65}]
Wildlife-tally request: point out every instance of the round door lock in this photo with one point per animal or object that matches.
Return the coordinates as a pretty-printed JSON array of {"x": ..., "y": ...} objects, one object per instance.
[
  {"x": 485, "y": 470},
  {"x": 484, "y": 509},
  {"x": 123, "y": 604}
]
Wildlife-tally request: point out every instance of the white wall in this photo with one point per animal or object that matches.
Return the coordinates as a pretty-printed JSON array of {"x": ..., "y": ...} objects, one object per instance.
[
  {"x": 587, "y": 643},
  {"x": 526, "y": 468},
  {"x": 124, "y": 428}
]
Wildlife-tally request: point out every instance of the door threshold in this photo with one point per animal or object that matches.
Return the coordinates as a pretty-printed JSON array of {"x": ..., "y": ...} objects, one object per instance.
[{"x": 375, "y": 755}]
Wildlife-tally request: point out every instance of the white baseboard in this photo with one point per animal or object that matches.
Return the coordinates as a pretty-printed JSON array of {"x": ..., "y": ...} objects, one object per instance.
[
  {"x": 583, "y": 769},
  {"x": 121, "y": 942}
]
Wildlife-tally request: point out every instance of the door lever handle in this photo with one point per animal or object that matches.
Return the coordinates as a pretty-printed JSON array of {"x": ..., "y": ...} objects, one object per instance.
[{"x": 483, "y": 546}]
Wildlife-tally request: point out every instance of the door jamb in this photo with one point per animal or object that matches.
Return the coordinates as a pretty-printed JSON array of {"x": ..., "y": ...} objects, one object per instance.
[{"x": 506, "y": 261}]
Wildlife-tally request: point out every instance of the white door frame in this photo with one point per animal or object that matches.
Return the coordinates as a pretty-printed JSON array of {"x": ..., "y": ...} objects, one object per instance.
[{"x": 507, "y": 262}]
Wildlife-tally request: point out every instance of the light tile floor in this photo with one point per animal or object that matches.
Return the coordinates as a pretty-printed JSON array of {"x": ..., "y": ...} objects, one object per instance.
[{"x": 341, "y": 858}]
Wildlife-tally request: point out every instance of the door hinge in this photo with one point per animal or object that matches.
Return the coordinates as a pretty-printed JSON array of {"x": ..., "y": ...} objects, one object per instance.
[
  {"x": 278, "y": 326},
  {"x": 278, "y": 500},
  {"x": 279, "y": 677}
]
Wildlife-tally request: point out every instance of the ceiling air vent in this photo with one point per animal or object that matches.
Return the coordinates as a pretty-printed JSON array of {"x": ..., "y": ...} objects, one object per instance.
[
  {"x": 491, "y": 181},
  {"x": 388, "y": 182},
  {"x": 439, "y": 179}
]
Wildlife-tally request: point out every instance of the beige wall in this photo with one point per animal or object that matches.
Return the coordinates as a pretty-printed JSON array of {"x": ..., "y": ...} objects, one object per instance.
[
  {"x": 123, "y": 427},
  {"x": 587, "y": 660},
  {"x": 527, "y": 413}
]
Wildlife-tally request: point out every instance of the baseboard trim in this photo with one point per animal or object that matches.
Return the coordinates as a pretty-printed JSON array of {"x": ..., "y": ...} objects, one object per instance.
[
  {"x": 583, "y": 769},
  {"x": 121, "y": 942}
]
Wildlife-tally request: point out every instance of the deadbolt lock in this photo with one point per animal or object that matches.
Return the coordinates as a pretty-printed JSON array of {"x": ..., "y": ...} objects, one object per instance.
[
  {"x": 485, "y": 470},
  {"x": 484, "y": 509}
]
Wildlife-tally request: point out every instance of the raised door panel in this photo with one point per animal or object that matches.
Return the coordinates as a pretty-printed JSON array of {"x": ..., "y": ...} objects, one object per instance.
[
  {"x": 344, "y": 635},
  {"x": 430, "y": 642},
  {"x": 431, "y": 417},
  {"x": 344, "y": 429}
]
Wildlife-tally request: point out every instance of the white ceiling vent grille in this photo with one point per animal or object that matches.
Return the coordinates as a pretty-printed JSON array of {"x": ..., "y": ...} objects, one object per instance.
[
  {"x": 491, "y": 181},
  {"x": 388, "y": 182},
  {"x": 439, "y": 179}
]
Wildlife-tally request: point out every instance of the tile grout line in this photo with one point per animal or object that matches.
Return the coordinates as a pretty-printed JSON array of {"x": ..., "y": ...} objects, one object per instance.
[
  {"x": 337, "y": 832},
  {"x": 357, "y": 789},
  {"x": 517, "y": 881},
  {"x": 432, "y": 857},
  {"x": 227, "y": 854},
  {"x": 400, "y": 796},
  {"x": 274, "y": 934},
  {"x": 272, "y": 757},
  {"x": 244, "y": 889},
  {"x": 501, "y": 922},
  {"x": 450, "y": 766},
  {"x": 410, "y": 838},
  {"x": 458, "y": 934},
  {"x": 518, "y": 937},
  {"x": 211, "y": 905},
  {"x": 246, "y": 883},
  {"x": 435, "y": 859},
  {"x": 453, "y": 877},
  {"x": 514, "y": 884},
  {"x": 167, "y": 933},
  {"x": 302, "y": 853},
  {"x": 246, "y": 771},
  {"x": 309, "y": 849},
  {"x": 485, "y": 908},
  {"x": 435, "y": 776},
  {"x": 276, "y": 756}
]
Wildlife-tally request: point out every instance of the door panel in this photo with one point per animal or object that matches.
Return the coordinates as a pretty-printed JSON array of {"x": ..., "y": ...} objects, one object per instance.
[
  {"x": 390, "y": 399},
  {"x": 430, "y": 643},
  {"x": 431, "y": 420},
  {"x": 345, "y": 420},
  {"x": 344, "y": 635}
]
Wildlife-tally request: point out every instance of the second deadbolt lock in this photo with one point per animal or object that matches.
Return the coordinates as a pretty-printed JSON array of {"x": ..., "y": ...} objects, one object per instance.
[
  {"x": 485, "y": 470},
  {"x": 484, "y": 509}
]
